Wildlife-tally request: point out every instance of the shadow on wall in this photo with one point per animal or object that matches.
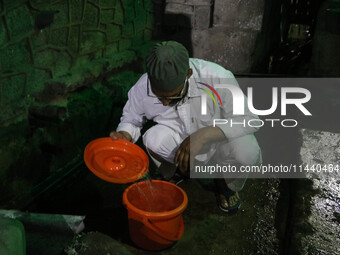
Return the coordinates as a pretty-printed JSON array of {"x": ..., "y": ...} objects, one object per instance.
[{"x": 174, "y": 27}]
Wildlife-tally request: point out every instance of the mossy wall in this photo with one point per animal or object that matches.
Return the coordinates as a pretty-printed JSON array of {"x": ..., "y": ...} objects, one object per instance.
[{"x": 63, "y": 80}]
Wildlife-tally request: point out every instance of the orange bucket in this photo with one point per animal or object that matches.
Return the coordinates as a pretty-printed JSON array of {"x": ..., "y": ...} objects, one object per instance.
[{"x": 155, "y": 213}]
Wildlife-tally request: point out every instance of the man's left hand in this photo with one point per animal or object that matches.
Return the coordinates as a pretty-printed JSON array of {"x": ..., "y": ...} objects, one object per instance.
[{"x": 195, "y": 143}]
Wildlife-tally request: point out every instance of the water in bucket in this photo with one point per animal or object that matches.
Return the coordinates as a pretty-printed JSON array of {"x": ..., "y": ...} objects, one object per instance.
[
  {"x": 155, "y": 214},
  {"x": 151, "y": 198}
]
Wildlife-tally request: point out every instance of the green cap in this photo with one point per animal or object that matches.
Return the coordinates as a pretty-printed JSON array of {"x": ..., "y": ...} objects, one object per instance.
[{"x": 167, "y": 65}]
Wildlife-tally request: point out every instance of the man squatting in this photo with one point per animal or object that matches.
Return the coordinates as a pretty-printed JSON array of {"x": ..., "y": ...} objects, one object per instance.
[{"x": 169, "y": 94}]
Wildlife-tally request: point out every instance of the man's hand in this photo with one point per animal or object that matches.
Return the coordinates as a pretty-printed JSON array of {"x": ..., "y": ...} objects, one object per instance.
[
  {"x": 121, "y": 134},
  {"x": 198, "y": 140}
]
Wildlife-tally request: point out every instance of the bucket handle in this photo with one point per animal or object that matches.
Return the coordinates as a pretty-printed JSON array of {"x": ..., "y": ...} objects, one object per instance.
[{"x": 148, "y": 223}]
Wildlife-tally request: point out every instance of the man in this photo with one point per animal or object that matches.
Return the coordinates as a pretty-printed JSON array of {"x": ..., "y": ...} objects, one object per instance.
[{"x": 170, "y": 94}]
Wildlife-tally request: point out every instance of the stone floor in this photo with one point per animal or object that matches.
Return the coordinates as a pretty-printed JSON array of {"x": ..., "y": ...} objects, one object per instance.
[{"x": 278, "y": 216}]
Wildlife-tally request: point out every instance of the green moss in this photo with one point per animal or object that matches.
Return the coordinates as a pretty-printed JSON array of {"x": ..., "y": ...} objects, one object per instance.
[
  {"x": 59, "y": 37},
  {"x": 89, "y": 109},
  {"x": 149, "y": 20},
  {"x": 113, "y": 33},
  {"x": 149, "y": 5},
  {"x": 107, "y": 3},
  {"x": 62, "y": 64},
  {"x": 61, "y": 17},
  {"x": 45, "y": 58},
  {"x": 3, "y": 35},
  {"x": 138, "y": 39},
  {"x": 13, "y": 89},
  {"x": 91, "y": 16},
  {"x": 119, "y": 14},
  {"x": 35, "y": 81},
  {"x": 124, "y": 44},
  {"x": 18, "y": 27},
  {"x": 40, "y": 39},
  {"x": 140, "y": 21},
  {"x": 129, "y": 11},
  {"x": 106, "y": 16},
  {"x": 76, "y": 8},
  {"x": 14, "y": 56},
  {"x": 111, "y": 50},
  {"x": 73, "y": 41},
  {"x": 128, "y": 30},
  {"x": 91, "y": 41}
]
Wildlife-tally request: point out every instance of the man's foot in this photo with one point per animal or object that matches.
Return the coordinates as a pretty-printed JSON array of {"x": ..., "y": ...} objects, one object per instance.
[
  {"x": 228, "y": 201},
  {"x": 179, "y": 177}
]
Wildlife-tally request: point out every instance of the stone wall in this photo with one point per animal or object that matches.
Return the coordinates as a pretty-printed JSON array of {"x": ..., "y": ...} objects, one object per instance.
[
  {"x": 42, "y": 42},
  {"x": 63, "y": 81},
  {"x": 222, "y": 31}
]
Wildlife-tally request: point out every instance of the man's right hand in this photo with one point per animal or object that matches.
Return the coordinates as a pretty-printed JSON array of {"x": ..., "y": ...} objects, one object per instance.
[{"x": 121, "y": 135}]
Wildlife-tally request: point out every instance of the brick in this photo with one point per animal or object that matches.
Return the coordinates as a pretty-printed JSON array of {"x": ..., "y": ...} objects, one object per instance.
[
  {"x": 197, "y": 2},
  {"x": 13, "y": 89},
  {"x": 91, "y": 17},
  {"x": 179, "y": 8},
  {"x": 138, "y": 38},
  {"x": 124, "y": 44},
  {"x": 202, "y": 17},
  {"x": 94, "y": 2},
  {"x": 140, "y": 21},
  {"x": 147, "y": 35},
  {"x": 138, "y": 6},
  {"x": 128, "y": 31},
  {"x": 14, "y": 56},
  {"x": 40, "y": 39},
  {"x": 106, "y": 16},
  {"x": 149, "y": 20},
  {"x": 129, "y": 10},
  {"x": 39, "y": 3},
  {"x": 76, "y": 9},
  {"x": 191, "y": 2},
  {"x": 45, "y": 58},
  {"x": 59, "y": 37},
  {"x": 73, "y": 41},
  {"x": 91, "y": 41},
  {"x": 62, "y": 64},
  {"x": 149, "y": 5},
  {"x": 119, "y": 14},
  {"x": 107, "y": 3},
  {"x": 3, "y": 34},
  {"x": 110, "y": 50},
  {"x": 113, "y": 33},
  {"x": 19, "y": 26},
  {"x": 60, "y": 18},
  {"x": 10, "y": 4},
  {"x": 35, "y": 81}
]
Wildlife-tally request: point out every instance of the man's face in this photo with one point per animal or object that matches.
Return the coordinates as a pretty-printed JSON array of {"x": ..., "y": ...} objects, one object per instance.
[
  {"x": 171, "y": 98},
  {"x": 167, "y": 97}
]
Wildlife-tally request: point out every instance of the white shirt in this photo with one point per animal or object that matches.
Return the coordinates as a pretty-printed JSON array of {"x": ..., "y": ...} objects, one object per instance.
[{"x": 186, "y": 117}]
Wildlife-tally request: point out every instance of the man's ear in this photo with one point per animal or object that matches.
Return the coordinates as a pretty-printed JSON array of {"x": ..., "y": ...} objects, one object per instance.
[{"x": 189, "y": 73}]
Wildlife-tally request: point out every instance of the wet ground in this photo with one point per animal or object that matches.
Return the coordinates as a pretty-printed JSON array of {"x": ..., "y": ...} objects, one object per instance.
[
  {"x": 278, "y": 216},
  {"x": 207, "y": 230}
]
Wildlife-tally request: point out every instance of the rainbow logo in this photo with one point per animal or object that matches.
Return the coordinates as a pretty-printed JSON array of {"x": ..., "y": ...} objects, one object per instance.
[{"x": 209, "y": 93}]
